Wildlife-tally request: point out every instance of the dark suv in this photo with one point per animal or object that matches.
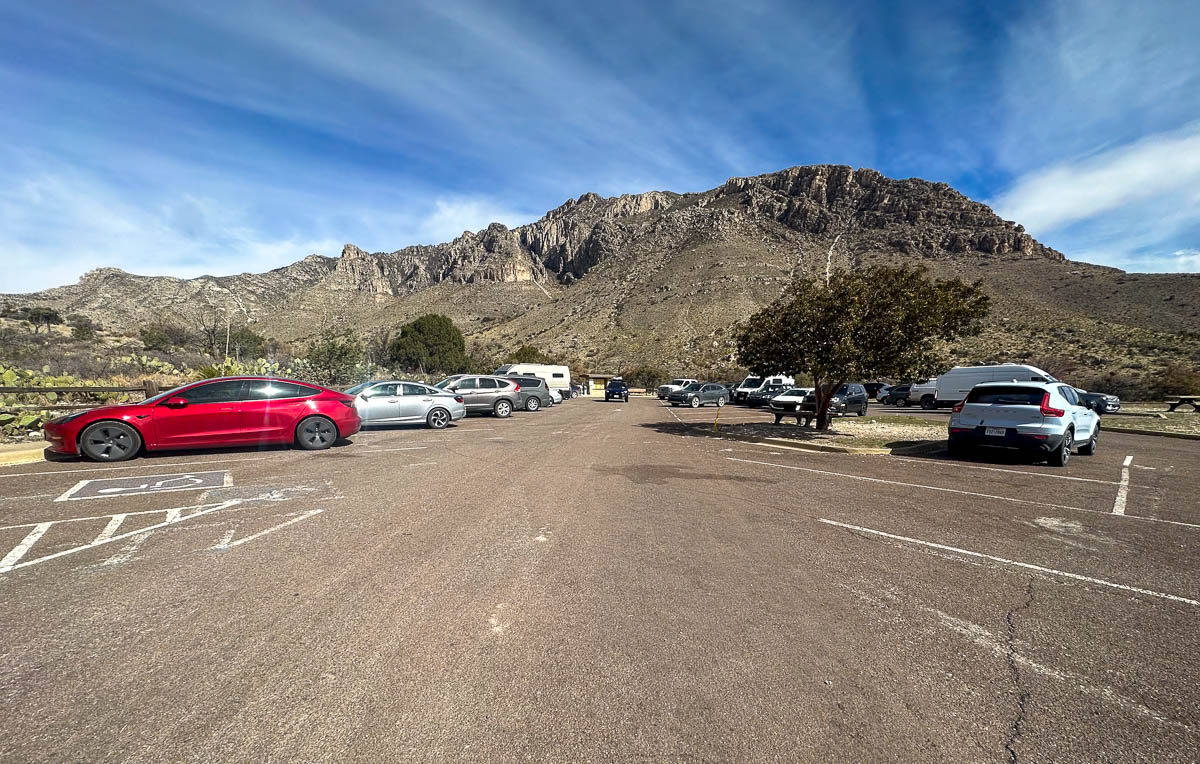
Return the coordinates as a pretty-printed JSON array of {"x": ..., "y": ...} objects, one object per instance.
[
  {"x": 534, "y": 393},
  {"x": 616, "y": 390},
  {"x": 850, "y": 398},
  {"x": 896, "y": 396},
  {"x": 484, "y": 394}
]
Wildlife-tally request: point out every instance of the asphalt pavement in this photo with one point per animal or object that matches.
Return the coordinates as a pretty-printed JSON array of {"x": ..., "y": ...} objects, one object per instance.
[{"x": 591, "y": 583}]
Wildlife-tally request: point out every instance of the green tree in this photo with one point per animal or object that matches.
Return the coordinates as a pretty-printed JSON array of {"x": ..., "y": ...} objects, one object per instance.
[
  {"x": 164, "y": 336},
  {"x": 646, "y": 377},
  {"x": 871, "y": 323},
  {"x": 82, "y": 327},
  {"x": 42, "y": 316},
  {"x": 430, "y": 344},
  {"x": 333, "y": 356},
  {"x": 244, "y": 342},
  {"x": 530, "y": 354}
]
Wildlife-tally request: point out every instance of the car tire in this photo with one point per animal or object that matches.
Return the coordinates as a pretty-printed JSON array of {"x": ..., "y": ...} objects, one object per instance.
[
  {"x": 779, "y": 418},
  {"x": 1089, "y": 448},
  {"x": 902, "y": 403},
  {"x": 438, "y": 419},
  {"x": 956, "y": 449},
  {"x": 695, "y": 403},
  {"x": 1062, "y": 455},
  {"x": 502, "y": 409},
  {"x": 721, "y": 402},
  {"x": 109, "y": 442},
  {"x": 316, "y": 433},
  {"x": 928, "y": 402},
  {"x": 863, "y": 410},
  {"x": 532, "y": 404}
]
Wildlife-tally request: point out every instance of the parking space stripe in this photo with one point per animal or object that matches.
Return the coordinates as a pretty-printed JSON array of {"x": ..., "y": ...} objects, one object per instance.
[
  {"x": 1014, "y": 563},
  {"x": 10, "y": 559},
  {"x": 260, "y": 534},
  {"x": 961, "y": 465},
  {"x": 1123, "y": 488},
  {"x": 152, "y": 465},
  {"x": 111, "y": 528},
  {"x": 957, "y": 491}
]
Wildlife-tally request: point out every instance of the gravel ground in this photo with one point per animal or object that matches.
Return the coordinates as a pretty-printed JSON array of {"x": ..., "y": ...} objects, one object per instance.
[{"x": 866, "y": 432}]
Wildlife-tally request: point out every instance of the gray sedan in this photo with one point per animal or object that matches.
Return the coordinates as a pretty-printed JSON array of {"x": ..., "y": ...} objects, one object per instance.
[{"x": 398, "y": 402}]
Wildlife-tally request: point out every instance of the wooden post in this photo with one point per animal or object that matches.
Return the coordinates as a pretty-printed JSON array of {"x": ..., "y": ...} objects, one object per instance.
[{"x": 151, "y": 388}]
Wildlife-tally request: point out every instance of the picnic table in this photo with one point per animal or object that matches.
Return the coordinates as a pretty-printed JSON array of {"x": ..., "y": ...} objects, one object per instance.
[{"x": 1185, "y": 400}]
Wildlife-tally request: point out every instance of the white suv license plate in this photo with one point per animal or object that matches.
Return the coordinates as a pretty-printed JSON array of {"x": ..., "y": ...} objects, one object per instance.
[{"x": 997, "y": 432}]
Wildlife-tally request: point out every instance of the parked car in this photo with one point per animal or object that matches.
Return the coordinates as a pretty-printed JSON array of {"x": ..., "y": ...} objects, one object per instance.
[
  {"x": 850, "y": 398},
  {"x": 896, "y": 395},
  {"x": 398, "y": 401},
  {"x": 1101, "y": 403},
  {"x": 699, "y": 394},
  {"x": 952, "y": 387},
  {"x": 924, "y": 393},
  {"x": 764, "y": 394},
  {"x": 228, "y": 411},
  {"x": 574, "y": 392},
  {"x": 1046, "y": 418},
  {"x": 616, "y": 390},
  {"x": 752, "y": 384},
  {"x": 557, "y": 377},
  {"x": 675, "y": 384},
  {"x": 557, "y": 397},
  {"x": 484, "y": 394},
  {"x": 882, "y": 392},
  {"x": 788, "y": 403},
  {"x": 535, "y": 393},
  {"x": 873, "y": 389}
]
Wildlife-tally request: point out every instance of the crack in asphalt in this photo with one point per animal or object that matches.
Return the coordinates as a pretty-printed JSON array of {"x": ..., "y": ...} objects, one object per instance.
[{"x": 1015, "y": 670}]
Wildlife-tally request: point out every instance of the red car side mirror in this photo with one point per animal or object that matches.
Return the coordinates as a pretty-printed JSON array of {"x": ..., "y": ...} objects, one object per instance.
[{"x": 177, "y": 402}]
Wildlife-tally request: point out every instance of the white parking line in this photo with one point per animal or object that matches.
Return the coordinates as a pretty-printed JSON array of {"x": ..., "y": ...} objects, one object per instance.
[
  {"x": 111, "y": 528},
  {"x": 1014, "y": 563},
  {"x": 151, "y": 465},
  {"x": 227, "y": 545},
  {"x": 405, "y": 448},
  {"x": 1123, "y": 488},
  {"x": 957, "y": 491},
  {"x": 10, "y": 559},
  {"x": 961, "y": 465}
]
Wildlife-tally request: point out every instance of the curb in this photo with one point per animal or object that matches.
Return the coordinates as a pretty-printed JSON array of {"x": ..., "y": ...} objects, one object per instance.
[
  {"x": 22, "y": 456},
  {"x": 1132, "y": 431},
  {"x": 796, "y": 445}
]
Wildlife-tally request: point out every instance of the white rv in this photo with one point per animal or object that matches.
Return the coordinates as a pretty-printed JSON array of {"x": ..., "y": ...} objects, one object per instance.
[
  {"x": 753, "y": 384},
  {"x": 953, "y": 385},
  {"x": 557, "y": 377}
]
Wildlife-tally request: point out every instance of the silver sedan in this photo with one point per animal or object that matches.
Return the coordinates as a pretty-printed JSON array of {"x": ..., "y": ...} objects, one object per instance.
[{"x": 399, "y": 402}]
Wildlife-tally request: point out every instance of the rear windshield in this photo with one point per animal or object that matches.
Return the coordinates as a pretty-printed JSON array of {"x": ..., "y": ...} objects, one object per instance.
[
  {"x": 1011, "y": 395},
  {"x": 751, "y": 381}
]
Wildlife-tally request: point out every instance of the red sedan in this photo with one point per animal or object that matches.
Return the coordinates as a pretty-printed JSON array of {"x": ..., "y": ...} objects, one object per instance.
[{"x": 230, "y": 411}]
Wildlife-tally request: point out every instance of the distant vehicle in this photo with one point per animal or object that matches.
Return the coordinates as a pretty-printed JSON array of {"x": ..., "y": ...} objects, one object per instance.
[
  {"x": 882, "y": 392},
  {"x": 484, "y": 394},
  {"x": 399, "y": 402},
  {"x": 672, "y": 386},
  {"x": 1045, "y": 418},
  {"x": 557, "y": 377},
  {"x": 575, "y": 391},
  {"x": 953, "y": 386},
  {"x": 616, "y": 390},
  {"x": 557, "y": 397},
  {"x": 764, "y": 394},
  {"x": 924, "y": 393},
  {"x": 896, "y": 395},
  {"x": 1101, "y": 403},
  {"x": 228, "y": 411},
  {"x": 873, "y": 388},
  {"x": 850, "y": 398},
  {"x": 788, "y": 403},
  {"x": 535, "y": 394},
  {"x": 699, "y": 394},
  {"x": 752, "y": 384}
]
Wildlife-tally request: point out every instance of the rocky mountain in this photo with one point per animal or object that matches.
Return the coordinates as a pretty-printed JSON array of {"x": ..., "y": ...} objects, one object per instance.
[{"x": 661, "y": 276}]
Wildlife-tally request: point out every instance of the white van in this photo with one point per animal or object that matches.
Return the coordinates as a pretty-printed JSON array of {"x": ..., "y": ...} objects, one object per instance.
[
  {"x": 753, "y": 384},
  {"x": 557, "y": 377},
  {"x": 954, "y": 385}
]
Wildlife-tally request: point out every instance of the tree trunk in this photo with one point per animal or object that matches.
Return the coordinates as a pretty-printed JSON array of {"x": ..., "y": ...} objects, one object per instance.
[{"x": 824, "y": 395}]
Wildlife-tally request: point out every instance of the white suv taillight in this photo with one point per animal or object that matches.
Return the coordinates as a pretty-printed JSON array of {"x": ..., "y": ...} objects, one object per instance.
[
  {"x": 1047, "y": 411},
  {"x": 958, "y": 407}
]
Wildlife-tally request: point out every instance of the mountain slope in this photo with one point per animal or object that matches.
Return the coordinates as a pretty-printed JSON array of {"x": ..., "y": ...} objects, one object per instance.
[{"x": 662, "y": 276}]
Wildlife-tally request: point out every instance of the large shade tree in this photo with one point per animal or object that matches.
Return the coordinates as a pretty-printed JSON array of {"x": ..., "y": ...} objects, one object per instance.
[
  {"x": 869, "y": 323},
  {"x": 431, "y": 343}
]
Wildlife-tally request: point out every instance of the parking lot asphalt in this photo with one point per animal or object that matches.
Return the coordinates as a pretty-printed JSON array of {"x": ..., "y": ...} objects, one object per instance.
[{"x": 591, "y": 583}]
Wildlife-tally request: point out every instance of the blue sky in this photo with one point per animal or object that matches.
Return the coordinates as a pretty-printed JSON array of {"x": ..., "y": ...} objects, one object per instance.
[{"x": 221, "y": 137}]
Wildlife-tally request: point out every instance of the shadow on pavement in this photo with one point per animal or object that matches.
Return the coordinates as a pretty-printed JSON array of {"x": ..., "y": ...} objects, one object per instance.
[{"x": 661, "y": 474}]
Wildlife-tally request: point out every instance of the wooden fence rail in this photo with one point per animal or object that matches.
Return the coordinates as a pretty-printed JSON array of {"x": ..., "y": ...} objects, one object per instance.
[{"x": 149, "y": 388}]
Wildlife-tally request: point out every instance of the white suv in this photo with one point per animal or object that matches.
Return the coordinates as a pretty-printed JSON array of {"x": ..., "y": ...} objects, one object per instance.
[
  {"x": 672, "y": 386},
  {"x": 1042, "y": 417}
]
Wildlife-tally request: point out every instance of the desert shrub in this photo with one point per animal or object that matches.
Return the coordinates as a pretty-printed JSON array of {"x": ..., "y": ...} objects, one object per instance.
[
  {"x": 164, "y": 336},
  {"x": 1125, "y": 385},
  {"x": 646, "y": 376},
  {"x": 333, "y": 357},
  {"x": 431, "y": 343},
  {"x": 1176, "y": 379}
]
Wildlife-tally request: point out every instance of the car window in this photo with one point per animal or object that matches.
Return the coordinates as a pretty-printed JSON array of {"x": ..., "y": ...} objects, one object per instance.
[
  {"x": 1007, "y": 395},
  {"x": 469, "y": 383},
  {"x": 557, "y": 375},
  {"x": 273, "y": 390},
  {"x": 487, "y": 383},
  {"x": 408, "y": 388},
  {"x": 214, "y": 392},
  {"x": 751, "y": 381},
  {"x": 357, "y": 388},
  {"x": 382, "y": 391},
  {"x": 1070, "y": 395},
  {"x": 695, "y": 386}
]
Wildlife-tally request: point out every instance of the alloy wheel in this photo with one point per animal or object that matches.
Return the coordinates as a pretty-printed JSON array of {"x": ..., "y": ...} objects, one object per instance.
[{"x": 317, "y": 433}]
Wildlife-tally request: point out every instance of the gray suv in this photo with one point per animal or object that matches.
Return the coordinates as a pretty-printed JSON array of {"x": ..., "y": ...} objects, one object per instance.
[
  {"x": 698, "y": 394},
  {"x": 484, "y": 394},
  {"x": 534, "y": 393}
]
